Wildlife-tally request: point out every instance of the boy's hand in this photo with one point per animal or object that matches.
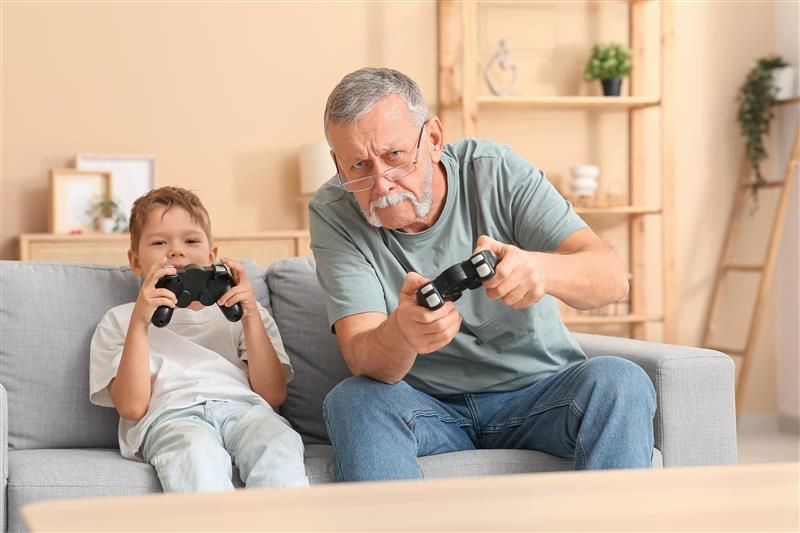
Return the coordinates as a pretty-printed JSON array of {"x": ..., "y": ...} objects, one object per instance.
[
  {"x": 242, "y": 292},
  {"x": 150, "y": 298}
]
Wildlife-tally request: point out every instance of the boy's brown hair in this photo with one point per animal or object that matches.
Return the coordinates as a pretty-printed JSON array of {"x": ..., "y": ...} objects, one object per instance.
[{"x": 167, "y": 197}]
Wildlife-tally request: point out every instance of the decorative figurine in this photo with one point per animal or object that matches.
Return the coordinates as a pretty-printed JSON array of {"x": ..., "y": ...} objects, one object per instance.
[{"x": 503, "y": 60}]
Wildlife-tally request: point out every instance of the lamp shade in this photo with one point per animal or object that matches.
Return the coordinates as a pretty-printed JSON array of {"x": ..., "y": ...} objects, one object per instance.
[{"x": 316, "y": 166}]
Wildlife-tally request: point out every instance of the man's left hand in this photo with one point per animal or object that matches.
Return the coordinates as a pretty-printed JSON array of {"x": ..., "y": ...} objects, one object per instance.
[{"x": 520, "y": 280}]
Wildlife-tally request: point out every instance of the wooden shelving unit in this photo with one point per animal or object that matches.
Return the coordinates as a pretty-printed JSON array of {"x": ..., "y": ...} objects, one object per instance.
[
  {"x": 459, "y": 81},
  {"x": 596, "y": 320},
  {"x": 112, "y": 248},
  {"x": 570, "y": 102}
]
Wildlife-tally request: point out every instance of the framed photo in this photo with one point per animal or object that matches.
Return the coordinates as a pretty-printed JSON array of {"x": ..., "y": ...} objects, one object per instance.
[
  {"x": 133, "y": 174},
  {"x": 72, "y": 193}
]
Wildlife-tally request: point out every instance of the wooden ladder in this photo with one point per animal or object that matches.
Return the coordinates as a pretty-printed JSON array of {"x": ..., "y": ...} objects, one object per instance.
[{"x": 765, "y": 270}]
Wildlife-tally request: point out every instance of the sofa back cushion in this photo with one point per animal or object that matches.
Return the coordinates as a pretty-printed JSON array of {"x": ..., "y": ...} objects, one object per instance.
[
  {"x": 48, "y": 313},
  {"x": 299, "y": 310}
]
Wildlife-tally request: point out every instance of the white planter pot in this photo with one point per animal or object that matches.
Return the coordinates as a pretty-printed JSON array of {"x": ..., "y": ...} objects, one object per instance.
[
  {"x": 105, "y": 225},
  {"x": 584, "y": 179},
  {"x": 784, "y": 80}
]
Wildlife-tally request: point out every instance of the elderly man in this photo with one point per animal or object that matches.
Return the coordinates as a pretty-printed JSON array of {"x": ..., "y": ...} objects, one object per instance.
[{"x": 497, "y": 369}]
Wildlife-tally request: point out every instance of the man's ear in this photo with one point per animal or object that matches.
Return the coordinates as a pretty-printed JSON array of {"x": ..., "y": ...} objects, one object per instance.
[
  {"x": 436, "y": 135},
  {"x": 133, "y": 261}
]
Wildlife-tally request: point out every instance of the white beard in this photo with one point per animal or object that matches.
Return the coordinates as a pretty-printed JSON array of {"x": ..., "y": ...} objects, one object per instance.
[{"x": 421, "y": 207}]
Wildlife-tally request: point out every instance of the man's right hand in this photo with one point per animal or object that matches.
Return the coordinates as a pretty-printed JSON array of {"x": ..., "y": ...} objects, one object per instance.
[
  {"x": 150, "y": 298},
  {"x": 425, "y": 331}
]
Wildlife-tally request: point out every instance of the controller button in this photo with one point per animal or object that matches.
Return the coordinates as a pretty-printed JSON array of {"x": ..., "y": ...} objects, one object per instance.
[
  {"x": 184, "y": 299},
  {"x": 206, "y": 298},
  {"x": 477, "y": 258},
  {"x": 484, "y": 270},
  {"x": 426, "y": 289},
  {"x": 433, "y": 300}
]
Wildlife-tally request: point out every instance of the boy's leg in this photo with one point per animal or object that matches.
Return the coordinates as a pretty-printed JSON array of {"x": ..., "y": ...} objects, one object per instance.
[
  {"x": 187, "y": 452},
  {"x": 264, "y": 447},
  {"x": 599, "y": 412},
  {"x": 378, "y": 430}
]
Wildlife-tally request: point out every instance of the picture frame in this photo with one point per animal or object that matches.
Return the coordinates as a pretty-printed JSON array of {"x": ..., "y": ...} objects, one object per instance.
[
  {"x": 72, "y": 193},
  {"x": 133, "y": 174}
]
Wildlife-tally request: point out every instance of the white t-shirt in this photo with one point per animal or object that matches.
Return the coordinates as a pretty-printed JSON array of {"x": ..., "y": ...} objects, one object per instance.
[{"x": 199, "y": 356}]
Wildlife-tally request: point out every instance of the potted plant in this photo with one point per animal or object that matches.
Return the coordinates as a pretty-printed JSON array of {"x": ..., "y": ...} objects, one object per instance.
[
  {"x": 756, "y": 97},
  {"x": 608, "y": 63},
  {"x": 107, "y": 215}
]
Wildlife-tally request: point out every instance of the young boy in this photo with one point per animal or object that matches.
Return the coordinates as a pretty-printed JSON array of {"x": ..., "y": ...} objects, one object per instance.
[{"x": 200, "y": 392}]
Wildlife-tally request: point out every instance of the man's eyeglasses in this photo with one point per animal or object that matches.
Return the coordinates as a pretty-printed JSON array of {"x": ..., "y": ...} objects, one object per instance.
[{"x": 392, "y": 174}]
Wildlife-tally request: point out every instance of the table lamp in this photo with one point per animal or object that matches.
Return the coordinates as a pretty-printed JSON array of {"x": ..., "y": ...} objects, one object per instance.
[{"x": 316, "y": 167}]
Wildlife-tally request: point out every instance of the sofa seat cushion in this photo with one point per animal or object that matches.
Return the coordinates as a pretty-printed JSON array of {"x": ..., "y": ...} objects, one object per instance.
[
  {"x": 35, "y": 475},
  {"x": 320, "y": 467},
  {"x": 319, "y": 464}
]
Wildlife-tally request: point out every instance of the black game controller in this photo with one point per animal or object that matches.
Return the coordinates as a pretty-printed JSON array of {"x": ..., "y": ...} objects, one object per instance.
[
  {"x": 194, "y": 283},
  {"x": 452, "y": 282}
]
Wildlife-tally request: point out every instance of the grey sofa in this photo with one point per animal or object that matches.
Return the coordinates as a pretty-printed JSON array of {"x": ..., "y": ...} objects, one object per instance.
[{"x": 55, "y": 444}]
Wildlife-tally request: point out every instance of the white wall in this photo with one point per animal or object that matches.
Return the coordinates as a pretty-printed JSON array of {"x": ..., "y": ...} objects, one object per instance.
[{"x": 787, "y": 288}]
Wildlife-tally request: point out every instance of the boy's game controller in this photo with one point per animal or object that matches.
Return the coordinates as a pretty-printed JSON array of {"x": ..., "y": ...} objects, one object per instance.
[
  {"x": 452, "y": 282},
  {"x": 194, "y": 283}
]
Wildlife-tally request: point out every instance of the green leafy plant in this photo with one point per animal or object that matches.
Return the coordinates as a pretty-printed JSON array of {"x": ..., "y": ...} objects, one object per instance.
[
  {"x": 608, "y": 61},
  {"x": 105, "y": 207},
  {"x": 756, "y": 97}
]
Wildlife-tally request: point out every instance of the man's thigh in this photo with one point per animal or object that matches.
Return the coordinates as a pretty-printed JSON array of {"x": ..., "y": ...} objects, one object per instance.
[
  {"x": 545, "y": 416},
  {"x": 548, "y": 415},
  {"x": 362, "y": 410}
]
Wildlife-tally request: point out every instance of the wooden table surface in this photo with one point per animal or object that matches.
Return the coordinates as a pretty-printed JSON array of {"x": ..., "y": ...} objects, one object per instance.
[{"x": 759, "y": 497}]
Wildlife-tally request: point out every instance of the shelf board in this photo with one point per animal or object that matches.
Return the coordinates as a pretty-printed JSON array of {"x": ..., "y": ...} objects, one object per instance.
[
  {"x": 571, "y": 102},
  {"x": 793, "y": 100},
  {"x": 571, "y": 320},
  {"x": 618, "y": 210}
]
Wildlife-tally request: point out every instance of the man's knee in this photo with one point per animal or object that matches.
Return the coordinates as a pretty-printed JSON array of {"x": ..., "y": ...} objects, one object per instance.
[
  {"x": 620, "y": 380},
  {"x": 361, "y": 394}
]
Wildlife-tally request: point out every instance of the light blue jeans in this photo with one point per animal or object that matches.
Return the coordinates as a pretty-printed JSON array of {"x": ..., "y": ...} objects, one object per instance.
[
  {"x": 192, "y": 448},
  {"x": 599, "y": 412}
]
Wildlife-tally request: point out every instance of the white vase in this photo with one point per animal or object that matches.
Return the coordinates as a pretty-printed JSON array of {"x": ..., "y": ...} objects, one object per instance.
[
  {"x": 105, "y": 225},
  {"x": 584, "y": 179},
  {"x": 784, "y": 81}
]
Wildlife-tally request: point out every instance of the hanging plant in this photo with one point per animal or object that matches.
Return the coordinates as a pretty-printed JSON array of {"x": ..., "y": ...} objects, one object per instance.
[{"x": 756, "y": 98}]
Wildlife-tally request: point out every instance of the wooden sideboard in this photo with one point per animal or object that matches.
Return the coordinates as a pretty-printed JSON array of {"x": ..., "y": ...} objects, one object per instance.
[{"x": 112, "y": 249}]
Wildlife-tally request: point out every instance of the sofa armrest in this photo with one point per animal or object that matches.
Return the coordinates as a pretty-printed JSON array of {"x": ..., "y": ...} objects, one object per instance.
[
  {"x": 695, "y": 423},
  {"x": 3, "y": 455}
]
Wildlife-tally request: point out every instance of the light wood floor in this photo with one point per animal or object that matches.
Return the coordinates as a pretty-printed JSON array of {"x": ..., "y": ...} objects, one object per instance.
[{"x": 759, "y": 441}]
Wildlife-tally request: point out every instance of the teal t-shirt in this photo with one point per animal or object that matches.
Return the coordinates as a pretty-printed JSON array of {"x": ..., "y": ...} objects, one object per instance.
[{"x": 492, "y": 191}]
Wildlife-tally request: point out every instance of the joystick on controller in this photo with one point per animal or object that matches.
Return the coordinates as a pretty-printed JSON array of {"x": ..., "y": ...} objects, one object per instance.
[
  {"x": 197, "y": 284},
  {"x": 452, "y": 282}
]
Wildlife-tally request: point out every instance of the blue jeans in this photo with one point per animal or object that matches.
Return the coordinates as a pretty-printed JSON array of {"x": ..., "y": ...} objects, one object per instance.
[
  {"x": 192, "y": 448},
  {"x": 599, "y": 412}
]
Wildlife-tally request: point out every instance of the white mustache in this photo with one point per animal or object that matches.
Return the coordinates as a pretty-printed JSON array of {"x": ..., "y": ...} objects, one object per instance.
[{"x": 389, "y": 200}]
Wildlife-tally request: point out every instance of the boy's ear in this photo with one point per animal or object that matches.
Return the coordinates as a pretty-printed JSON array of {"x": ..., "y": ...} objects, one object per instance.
[
  {"x": 214, "y": 254},
  {"x": 133, "y": 261}
]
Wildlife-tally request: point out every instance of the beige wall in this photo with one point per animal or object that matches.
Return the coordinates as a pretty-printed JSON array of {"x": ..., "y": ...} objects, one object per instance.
[
  {"x": 787, "y": 310},
  {"x": 717, "y": 43},
  {"x": 223, "y": 95}
]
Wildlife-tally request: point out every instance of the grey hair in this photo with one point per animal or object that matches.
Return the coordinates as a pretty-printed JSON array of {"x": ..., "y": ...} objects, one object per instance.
[{"x": 360, "y": 91}]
